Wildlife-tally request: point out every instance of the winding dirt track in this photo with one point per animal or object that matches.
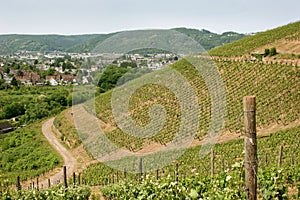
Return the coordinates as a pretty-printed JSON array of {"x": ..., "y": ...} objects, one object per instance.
[{"x": 69, "y": 160}]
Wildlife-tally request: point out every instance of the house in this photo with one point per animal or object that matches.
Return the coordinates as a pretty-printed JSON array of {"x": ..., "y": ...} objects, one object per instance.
[
  {"x": 27, "y": 78},
  {"x": 52, "y": 82},
  {"x": 67, "y": 78},
  {"x": 5, "y": 127}
]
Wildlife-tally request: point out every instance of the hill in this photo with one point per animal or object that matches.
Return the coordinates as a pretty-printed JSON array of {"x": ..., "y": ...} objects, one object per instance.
[
  {"x": 275, "y": 86},
  {"x": 86, "y": 43},
  {"x": 286, "y": 39},
  {"x": 13, "y": 43}
]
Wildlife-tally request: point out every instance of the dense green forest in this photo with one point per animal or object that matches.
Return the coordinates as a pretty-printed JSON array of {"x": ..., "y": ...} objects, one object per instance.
[{"x": 86, "y": 43}]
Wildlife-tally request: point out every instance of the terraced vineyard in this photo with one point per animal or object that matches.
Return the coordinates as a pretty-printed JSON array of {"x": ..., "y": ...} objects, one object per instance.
[
  {"x": 277, "y": 90},
  {"x": 196, "y": 171},
  {"x": 276, "y": 87}
]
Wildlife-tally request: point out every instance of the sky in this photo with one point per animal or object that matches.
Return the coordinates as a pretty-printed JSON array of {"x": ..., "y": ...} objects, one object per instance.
[{"x": 70, "y": 17}]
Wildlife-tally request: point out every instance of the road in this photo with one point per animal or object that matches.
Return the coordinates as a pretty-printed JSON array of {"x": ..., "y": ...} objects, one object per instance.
[{"x": 69, "y": 160}]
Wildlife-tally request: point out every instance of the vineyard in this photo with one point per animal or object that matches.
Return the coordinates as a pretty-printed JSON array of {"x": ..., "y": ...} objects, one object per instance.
[
  {"x": 192, "y": 175},
  {"x": 194, "y": 179},
  {"x": 57, "y": 193},
  {"x": 247, "y": 45},
  {"x": 276, "y": 87}
]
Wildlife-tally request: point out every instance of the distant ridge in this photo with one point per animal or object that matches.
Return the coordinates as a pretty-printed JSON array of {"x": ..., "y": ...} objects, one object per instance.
[{"x": 10, "y": 44}]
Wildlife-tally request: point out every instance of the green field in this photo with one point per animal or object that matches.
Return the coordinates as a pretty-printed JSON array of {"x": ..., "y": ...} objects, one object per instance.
[{"x": 26, "y": 153}]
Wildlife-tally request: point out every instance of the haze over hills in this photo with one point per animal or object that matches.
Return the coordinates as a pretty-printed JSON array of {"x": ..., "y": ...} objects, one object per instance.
[{"x": 86, "y": 43}]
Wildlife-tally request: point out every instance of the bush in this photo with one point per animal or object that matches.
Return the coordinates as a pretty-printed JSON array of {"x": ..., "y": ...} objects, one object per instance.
[
  {"x": 267, "y": 52},
  {"x": 273, "y": 51}
]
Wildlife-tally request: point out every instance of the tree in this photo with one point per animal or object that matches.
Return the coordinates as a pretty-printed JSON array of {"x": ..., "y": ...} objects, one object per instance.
[
  {"x": 14, "y": 82},
  {"x": 110, "y": 77},
  {"x": 6, "y": 70},
  {"x": 2, "y": 82},
  {"x": 13, "y": 110},
  {"x": 128, "y": 64},
  {"x": 20, "y": 73}
]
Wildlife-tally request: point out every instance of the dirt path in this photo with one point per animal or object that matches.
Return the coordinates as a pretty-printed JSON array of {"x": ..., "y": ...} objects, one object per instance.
[{"x": 69, "y": 160}]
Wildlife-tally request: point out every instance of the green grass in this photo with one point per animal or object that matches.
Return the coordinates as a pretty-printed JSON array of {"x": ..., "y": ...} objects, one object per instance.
[
  {"x": 26, "y": 153},
  {"x": 248, "y": 44}
]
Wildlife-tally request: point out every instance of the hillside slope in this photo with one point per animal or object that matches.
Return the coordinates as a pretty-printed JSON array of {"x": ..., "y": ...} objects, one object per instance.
[
  {"x": 13, "y": 43},
  {"x": 86, "y": 43},
  {"x": 275, "y": 85},
  {"x": 289, "y": 34}
]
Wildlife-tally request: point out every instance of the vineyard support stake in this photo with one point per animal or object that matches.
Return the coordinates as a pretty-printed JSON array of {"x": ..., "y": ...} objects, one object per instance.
[{"x": 250, "y": 145}]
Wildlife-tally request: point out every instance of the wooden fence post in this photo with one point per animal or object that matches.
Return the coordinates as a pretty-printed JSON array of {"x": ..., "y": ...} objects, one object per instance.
[
  {"x": 124, "y": 173},
  {"x": 250, "y": 145},
  {"x": 65, "y": 177},
  {"x": 176, "y": 172},
  {"x": 49, "y": 183},
  {"x": 280, "y": 156},
  {"x": 140, "y": 169},
  {"x": 212, "y": 163},
  {"x": 223, "y": 164},
  {"x": 74, "y": 178},
  {"x": 79, "y": 178},
  {"x": 18, "y": 184},
  {"x": 37, "y": 183},
  {"x": 117, "y": 177},
  {"x": 266, "y": 159}
]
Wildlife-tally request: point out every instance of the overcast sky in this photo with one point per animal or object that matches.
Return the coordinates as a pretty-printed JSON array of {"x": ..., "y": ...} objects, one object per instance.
[{"x": 99, "y": 16}]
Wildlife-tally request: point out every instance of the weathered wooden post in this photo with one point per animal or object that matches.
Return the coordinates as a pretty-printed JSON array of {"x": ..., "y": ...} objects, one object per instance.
[
  {"x": 140, "y": 169},
  {"x": 266, "y": 159},
  {"x": 79, "y": 178},
  {"x": 18, "y": 184},
  {"x": 37, "y": 183},
  {"x": 176, "y": 172},
  {"x": 250, "y": 145},
  {"x": 157, "y": 174},
  {"x": 280, "y": 156},
  {"x": 117, "y": 177},
  {"x": 212, "y": 163},
  {"x": 49, "y": 183},
  {"x": 65, "y": 177},
  {"x": 223, "y": 164},
  {"x": 124, "y": 173},
  {"x": 74, "y": 178}
]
